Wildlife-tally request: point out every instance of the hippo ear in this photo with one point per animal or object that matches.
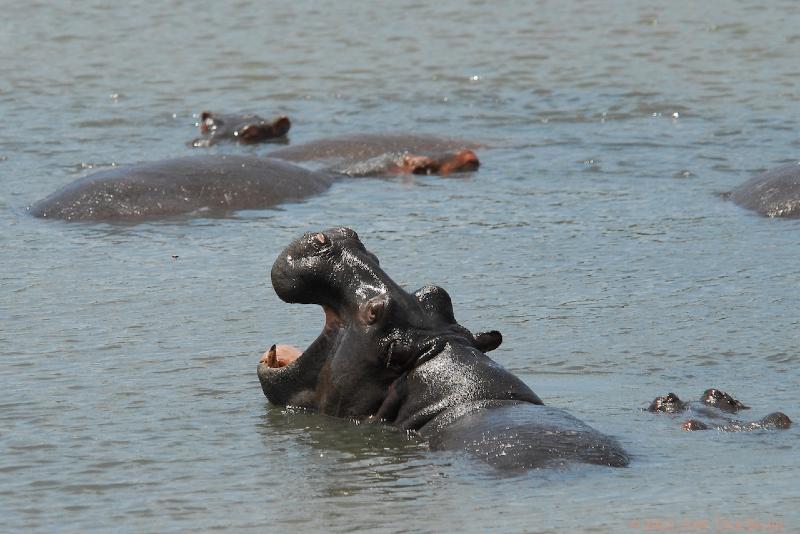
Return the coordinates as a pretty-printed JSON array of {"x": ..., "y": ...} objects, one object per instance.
[
  {"x": 204, "y": 116},
  {"x": 373, "y": 310},
  {"x": 281, "y": 126},
  {"x": 488, "y": 341},
  {"x": 435, "y": 300},
  {"x": 249, "y": 133}
]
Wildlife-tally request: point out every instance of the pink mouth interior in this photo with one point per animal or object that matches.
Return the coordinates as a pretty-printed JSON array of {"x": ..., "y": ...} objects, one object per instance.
[{"x": 282, "y": 355}]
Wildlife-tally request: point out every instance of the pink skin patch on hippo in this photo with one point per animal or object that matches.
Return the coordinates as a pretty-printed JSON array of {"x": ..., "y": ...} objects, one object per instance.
[
  {"x": 280, "y": 355},
  {"x": 461, "y": 161}
]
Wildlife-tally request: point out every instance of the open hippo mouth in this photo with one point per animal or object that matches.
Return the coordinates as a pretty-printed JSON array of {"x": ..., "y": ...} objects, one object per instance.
[{"x": 374, "y": 331}]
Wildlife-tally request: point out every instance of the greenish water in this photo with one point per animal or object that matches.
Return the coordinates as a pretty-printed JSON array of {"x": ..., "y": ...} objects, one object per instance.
[{"x": 591, "y": 237}]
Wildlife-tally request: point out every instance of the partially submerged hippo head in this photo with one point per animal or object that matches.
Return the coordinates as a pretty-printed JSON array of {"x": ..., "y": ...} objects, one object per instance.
[
  {"x": 246, "y": 129},
  {"x": 669, "y": 403},
  {"x": 716, "y": 398},
  {"x": 463, "y": 160},
  {"x": 715, "y": 407},
  {"x": 374, "y": 330},
  {"x": 721, "y": 400}
]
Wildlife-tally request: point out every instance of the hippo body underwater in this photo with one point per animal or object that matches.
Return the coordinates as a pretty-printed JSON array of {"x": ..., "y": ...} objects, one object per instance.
[
  {"x": 774, "y": 193},
  {"x": 199, "y": 184},
  {"x": 215, "y": 184},
  {"x": 401, "y": 358}
]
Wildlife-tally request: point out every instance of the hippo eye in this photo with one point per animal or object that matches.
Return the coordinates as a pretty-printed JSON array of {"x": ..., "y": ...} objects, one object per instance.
[{"x": 373, "y": 310}]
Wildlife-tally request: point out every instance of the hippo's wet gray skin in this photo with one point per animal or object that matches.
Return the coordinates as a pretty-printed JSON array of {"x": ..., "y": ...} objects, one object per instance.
[
  {"x": 774, "y": 193},
  {"x": 205, "y": 184},
  {"x": 713, "y": 411},
  {"x": 246, "y": 129},
  {"x": 388, "y": 355}
]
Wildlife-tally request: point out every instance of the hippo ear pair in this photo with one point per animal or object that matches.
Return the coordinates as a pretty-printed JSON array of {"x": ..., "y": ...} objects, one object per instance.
[{"x": 253, "y": 133}]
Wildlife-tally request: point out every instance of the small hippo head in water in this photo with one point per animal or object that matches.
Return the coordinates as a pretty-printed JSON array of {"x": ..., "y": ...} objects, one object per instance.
[
  {"x": 463, "y": 160},
  {"x": 374, "y": 331},
  {"x": 715, "y": 407},
  {"x": 721, "y": 400},
  {"x": 669, "y": 403},
  {"x": 246, "y": 129}
]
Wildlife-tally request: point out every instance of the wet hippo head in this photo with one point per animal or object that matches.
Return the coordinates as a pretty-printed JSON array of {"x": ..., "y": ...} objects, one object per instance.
[
  {"x": 374, "y": 331},
  {"x": 247, "y": 129},
  {"x": 461, "y": 161},
  {"x": 723, "y": 401},
  {"x": 669, "y": 403}
]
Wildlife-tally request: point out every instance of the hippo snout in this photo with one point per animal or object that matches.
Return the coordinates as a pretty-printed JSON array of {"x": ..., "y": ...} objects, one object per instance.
[{"x": 312, "y": 269}]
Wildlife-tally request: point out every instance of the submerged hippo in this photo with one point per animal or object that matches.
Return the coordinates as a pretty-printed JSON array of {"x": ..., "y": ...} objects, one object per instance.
[
  {"x": 199, "y": 184},
  {"x": 715, "y": 407},
  {"x": 388, "y": 355},
  {"x": 246, "y": 129},
  {"x": 774, "y": 193},
  {"x": 212, "y": 184},
  {"x": 370, "y": 154}
]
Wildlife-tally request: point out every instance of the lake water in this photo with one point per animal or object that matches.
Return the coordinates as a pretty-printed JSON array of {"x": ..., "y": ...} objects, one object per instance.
[{"x": 592, "y": 237}]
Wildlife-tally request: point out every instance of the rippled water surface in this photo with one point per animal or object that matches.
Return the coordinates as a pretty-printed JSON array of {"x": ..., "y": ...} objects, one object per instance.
[{"x": 592, "y": 236}]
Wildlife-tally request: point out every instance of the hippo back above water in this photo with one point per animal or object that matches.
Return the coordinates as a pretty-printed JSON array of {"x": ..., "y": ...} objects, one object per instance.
[
  {"x": 774, "y": 193},
  {"x": 208, "y": 184}
]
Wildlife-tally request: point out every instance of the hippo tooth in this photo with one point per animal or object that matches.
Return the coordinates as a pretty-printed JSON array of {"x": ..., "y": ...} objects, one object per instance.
[{"x": 272, "y": 357}]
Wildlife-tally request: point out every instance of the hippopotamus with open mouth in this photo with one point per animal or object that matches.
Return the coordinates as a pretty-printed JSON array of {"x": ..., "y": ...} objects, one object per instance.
[
  {"x": 402, "y": 358},
  {"x": 715, "y": 407},
  {"x": 217, "y": 184},
  {"x": 245, "y": 129},
  {"x": 774, "y": 193}
]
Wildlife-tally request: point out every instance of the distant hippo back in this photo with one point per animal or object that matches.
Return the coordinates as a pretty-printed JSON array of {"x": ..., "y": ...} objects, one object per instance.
[
  {"x": 179, "y": 186},
  {"x": 774, "y": 193}
]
